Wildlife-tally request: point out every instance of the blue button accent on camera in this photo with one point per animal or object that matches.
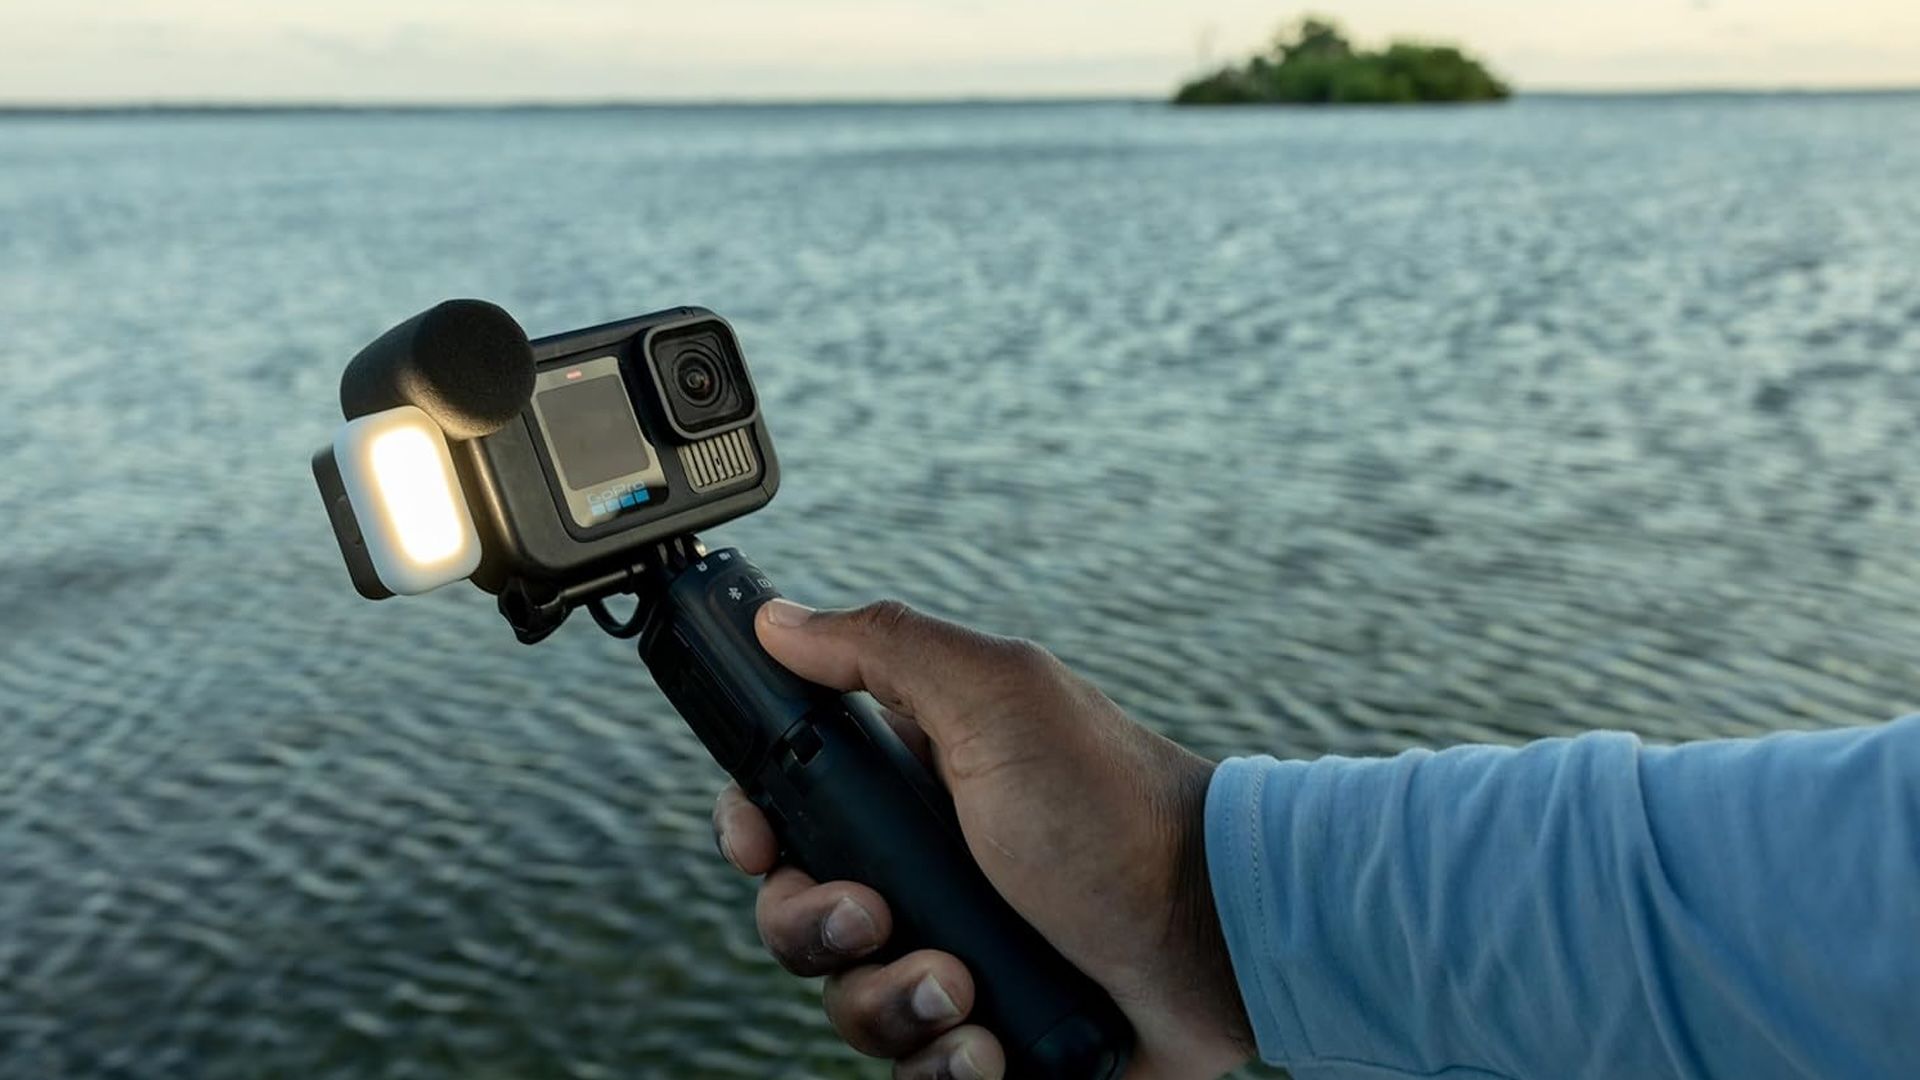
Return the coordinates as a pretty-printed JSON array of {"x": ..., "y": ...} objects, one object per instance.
[
  {"x": 627, "y": 499},
  {"x": 641, "y": 495}
]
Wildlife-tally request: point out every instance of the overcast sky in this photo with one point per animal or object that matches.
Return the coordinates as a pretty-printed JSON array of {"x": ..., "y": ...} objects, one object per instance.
[{"x": 490, "y": 50}]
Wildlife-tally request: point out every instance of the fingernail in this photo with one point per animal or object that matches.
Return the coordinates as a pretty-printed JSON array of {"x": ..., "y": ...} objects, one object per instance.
[
  {"x": 786, "y": 612},
  {"x": 962, "y": 1066},
  {"x": 723, "y": 839},
  {"x": 932, "y": 1003},
  {"x": 848, "y": 928}
]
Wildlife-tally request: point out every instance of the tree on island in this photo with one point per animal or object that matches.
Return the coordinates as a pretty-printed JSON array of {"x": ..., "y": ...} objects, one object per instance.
[{"x": 1312, "y": 63}]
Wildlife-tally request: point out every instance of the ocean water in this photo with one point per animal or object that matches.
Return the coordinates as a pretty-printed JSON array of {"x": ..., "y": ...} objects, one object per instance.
[{"x": 1299, "y": 432}]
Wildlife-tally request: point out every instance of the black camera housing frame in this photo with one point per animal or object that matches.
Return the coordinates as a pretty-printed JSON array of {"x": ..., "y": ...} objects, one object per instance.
[{"x": 529, "y": 545}]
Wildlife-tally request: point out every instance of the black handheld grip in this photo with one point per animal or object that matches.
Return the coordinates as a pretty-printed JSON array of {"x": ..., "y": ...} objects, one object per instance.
[{"x": 850, "y": 802}]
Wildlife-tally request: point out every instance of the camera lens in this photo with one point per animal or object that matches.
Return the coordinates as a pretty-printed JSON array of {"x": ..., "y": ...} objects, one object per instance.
[
  {"x": 701, "y": 377},
  {"x": 697, "y": 378}
]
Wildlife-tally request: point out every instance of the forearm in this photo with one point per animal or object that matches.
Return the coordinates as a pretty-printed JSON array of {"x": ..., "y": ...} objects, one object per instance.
[{"x": 1586, "y": 907}]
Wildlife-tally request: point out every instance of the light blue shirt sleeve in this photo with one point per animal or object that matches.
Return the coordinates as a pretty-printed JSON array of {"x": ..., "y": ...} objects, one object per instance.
[{"x": 1580, "y": 908}]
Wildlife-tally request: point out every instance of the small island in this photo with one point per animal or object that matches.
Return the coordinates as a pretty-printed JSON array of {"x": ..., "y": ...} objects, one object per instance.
[{"x": 1313, "y": 63}]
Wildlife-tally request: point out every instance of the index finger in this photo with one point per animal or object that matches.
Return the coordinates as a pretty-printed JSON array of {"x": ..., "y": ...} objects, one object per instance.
[{"x": 944, "y": 675}]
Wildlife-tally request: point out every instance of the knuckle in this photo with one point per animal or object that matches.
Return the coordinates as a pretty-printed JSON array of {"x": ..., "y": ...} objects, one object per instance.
[
  {"x": 1020, "y": 665},
  {"x": 1025, "y": 660},
  {"x": 786, "y": 936},
  {"x": 850, "y": 1009},
  {"x": 796, "y": 950},
  {"x": 884, "y": 617},
  {"x": 866, "y": 1016},
  {"x": 775, "y": 936},
  {"x": 816, "y": 929}
]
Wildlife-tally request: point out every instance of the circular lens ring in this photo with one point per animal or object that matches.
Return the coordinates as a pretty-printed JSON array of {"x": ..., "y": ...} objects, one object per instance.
[{"x": 696, "y": 377}]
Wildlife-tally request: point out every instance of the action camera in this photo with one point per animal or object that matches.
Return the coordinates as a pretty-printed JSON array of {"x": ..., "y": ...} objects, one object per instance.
[
  {"x": 560, "y": 472},
  {"x": 637, "y": 432},
  {"x": 626, "y": 436}
]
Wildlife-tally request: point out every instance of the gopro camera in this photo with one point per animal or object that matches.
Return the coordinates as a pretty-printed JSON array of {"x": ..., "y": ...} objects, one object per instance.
[
  {"x": 632, "y": 434},
  {"x": 637, "y": 432},
  {"x": 559, "y": 472}
]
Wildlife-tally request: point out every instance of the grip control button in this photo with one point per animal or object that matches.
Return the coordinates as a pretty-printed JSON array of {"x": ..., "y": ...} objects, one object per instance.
[
  {"x": 804, "y": 745},
  {"x": 742, "y": 589}
]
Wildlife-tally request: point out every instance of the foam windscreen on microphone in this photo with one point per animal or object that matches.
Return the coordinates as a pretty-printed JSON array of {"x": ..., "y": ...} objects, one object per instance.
[{"x": 465, "y": 363}]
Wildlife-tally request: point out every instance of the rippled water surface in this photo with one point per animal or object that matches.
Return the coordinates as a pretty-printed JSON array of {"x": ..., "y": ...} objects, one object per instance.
[{"x": 1299, "y": 432}]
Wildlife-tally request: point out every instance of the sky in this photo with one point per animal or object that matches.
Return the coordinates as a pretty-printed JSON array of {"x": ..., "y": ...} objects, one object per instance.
[{"x": 122, "y": 51}]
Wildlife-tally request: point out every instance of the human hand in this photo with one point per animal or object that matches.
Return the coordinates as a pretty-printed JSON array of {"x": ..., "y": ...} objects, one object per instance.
[{"x": 1088, "y": 824}]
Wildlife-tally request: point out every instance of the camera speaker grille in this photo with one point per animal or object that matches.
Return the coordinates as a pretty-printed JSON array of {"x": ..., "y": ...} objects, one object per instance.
[{"x": 711, "y": 463}]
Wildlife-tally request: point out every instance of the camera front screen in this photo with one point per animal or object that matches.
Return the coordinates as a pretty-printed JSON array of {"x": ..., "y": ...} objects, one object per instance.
[
  {"x": 594, "y": 435},
  {"x": 595, "y": 447}
]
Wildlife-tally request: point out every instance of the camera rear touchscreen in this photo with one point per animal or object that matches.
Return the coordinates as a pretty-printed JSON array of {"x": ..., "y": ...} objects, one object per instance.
[{"x": 594, "y": 442}]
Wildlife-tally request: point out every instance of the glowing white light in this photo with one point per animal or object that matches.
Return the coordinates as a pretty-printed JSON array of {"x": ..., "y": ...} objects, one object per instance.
[
  {"x": 416, "y": 494},
  {"x": 406, "y": 498}
]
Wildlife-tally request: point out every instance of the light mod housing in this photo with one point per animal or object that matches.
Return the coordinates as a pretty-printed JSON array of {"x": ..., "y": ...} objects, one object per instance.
[{"x": 396, "y": 504}]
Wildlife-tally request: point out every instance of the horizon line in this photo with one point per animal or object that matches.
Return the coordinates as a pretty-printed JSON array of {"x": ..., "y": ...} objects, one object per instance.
[{"x": 295, "y": 105}]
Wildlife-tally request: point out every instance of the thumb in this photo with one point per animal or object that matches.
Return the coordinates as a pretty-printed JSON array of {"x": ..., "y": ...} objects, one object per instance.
[{"x": 944, "y": 675}]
